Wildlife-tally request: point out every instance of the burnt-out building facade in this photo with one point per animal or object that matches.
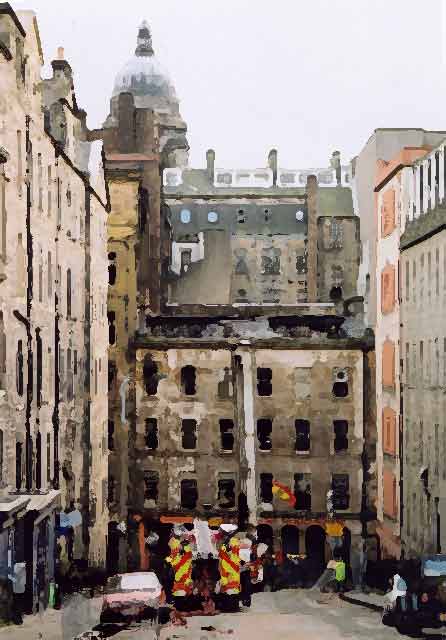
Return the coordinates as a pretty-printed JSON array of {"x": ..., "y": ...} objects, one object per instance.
[{"x": 237, "y": 354}]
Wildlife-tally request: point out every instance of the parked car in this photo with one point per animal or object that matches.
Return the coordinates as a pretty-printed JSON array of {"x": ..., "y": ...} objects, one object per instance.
[
  {"x": 132, "y": 596},
  {"x": 430, "y": 610}
]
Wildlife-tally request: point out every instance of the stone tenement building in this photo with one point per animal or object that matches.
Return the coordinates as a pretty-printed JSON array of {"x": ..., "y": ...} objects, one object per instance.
[
  {"x": 423, "y": 356},
  {"x": 237, "y": 354},
  {"x": 53, "y": 295},
  {"x": 380, "y": 187}
]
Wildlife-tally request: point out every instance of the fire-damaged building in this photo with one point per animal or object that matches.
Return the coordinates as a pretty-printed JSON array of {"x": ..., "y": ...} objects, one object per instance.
[{"x": 237, "y": 353}]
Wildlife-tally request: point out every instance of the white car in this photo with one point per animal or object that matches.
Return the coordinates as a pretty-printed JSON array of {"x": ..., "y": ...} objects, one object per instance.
[{"x": 132, "y": 596}]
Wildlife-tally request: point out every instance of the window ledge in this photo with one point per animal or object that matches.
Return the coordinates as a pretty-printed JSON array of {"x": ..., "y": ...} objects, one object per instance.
[
  {"x": 303, "y": 453},
  {"x": 226, "y": 452}
]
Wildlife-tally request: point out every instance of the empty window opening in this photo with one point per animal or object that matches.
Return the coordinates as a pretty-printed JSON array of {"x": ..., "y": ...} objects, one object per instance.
[
  {"x": 226, "y": 493},
  {"x": 111, "y": 268},
  {"x": 341, "y": 495},
  {"x": 111, "y": 490},
  {"x": 264, "y": 430},
  {"x": 111, "y": 374},
  {"x": 189, "y": 494},
  {"x": 302, "y": 436},
  {"x": 188, "y": 377},
  {"x": 340, "y": 386},
  {"x": 225, "y": 385},
  {"x": 227, "y": 434},
  {"x": 186, "y": 260},
  {"x": 264, "y": 381},
  {"x": 151, "y": 433},
  {"x": 336, "y": 293},
  {"x": 111, "y": 435},
  {"x": 302, "y": 491},
  {"x": 340, "y": 428},
  {"x": 266, "y": 487},
  {"x": 150, "y": 375},
  {"x": 189, "y": 434},
  {"x": 19, "y": 368},
  {"x": 271, "y": 262},
  {"x": 111, "y": 315},
  {"x": 151, "y": 482}
]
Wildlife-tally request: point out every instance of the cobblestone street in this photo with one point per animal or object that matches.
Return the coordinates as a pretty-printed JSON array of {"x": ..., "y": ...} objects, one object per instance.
[{"x": 288, "y": 615}]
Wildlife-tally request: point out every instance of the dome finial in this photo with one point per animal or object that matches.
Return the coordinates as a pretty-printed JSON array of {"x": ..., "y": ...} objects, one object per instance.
[{"x": 144, "y": 40}]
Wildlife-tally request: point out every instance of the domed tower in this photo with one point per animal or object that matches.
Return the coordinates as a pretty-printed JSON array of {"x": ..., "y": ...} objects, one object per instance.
[{"x": 151, "y": 88}]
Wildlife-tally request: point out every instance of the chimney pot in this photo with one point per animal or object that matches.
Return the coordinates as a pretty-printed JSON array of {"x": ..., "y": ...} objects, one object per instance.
[{"x": 60, "y": 53}]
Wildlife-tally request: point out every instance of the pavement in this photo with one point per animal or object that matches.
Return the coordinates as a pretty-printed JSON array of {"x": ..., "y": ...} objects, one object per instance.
[{"x": 289, "y": 615}]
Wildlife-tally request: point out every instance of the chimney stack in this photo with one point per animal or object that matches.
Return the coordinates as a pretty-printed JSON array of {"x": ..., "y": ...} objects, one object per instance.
[
  {"x": 272, "y": 163},
  {"x": 210, "y": 164},
  {"x": 336, "y": 164}
]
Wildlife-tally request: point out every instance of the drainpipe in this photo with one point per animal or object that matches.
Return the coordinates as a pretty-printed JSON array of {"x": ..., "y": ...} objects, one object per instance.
[
  {"x": 27, "y": 321},
  {"x": 86, "y": 440},
  {"x": 55, "y": 416}
]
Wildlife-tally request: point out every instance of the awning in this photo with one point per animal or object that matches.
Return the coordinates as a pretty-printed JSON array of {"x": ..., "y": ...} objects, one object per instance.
[{"x": 176, "y": 519}]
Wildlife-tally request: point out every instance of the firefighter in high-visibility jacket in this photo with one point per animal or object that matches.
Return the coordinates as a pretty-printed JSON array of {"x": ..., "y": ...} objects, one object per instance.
[
  {"x": 180, "y": 559},
  {"x": 229, "y": 556}
]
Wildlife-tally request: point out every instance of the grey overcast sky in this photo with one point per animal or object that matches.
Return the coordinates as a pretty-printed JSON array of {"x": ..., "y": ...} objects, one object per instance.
[{"x": 306, "y": 77}]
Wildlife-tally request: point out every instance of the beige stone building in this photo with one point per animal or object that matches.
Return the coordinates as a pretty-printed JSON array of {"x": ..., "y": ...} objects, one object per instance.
[
  {"x": 237, "y": 353},
  {"x": 423, "y": 355},
  {"x": 53, "y": 309}
]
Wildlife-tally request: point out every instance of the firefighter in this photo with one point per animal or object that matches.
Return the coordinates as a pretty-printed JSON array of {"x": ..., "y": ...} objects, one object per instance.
[
  {"x": 229, "y": 557},
  {"x": 180, "y": 559}
]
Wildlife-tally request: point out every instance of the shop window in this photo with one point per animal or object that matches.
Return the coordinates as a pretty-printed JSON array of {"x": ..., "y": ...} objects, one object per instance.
[
  {"x": 151, "y": 482},
  {"x": 227, "y": 434},
  {"x": 340, "y": 385},
  {"x": 188, "y": 494},
  {"x": 264, "y": 431},
  {"x": 188, "y": 379},
  {"x": 340, "y": 428},
  {"x": 302, "y": 444},
  {"x": 111, "y": 268},
  {"x": 150, "y": 375},
  {"x": 266, "y": 487},
  {"x": 189, "y": 434},
  {"x": 151, "y": 433},
  {"x": 19, "y": 368},
  {"x": 264, "y": 381},
  {"x": 302, "y": 491},
  {"x": 341, "y": 494},
  {"x": 111, "y": 435},
  {"x": 111, "y": 315},
  {"x": 226, "y": 493}
]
